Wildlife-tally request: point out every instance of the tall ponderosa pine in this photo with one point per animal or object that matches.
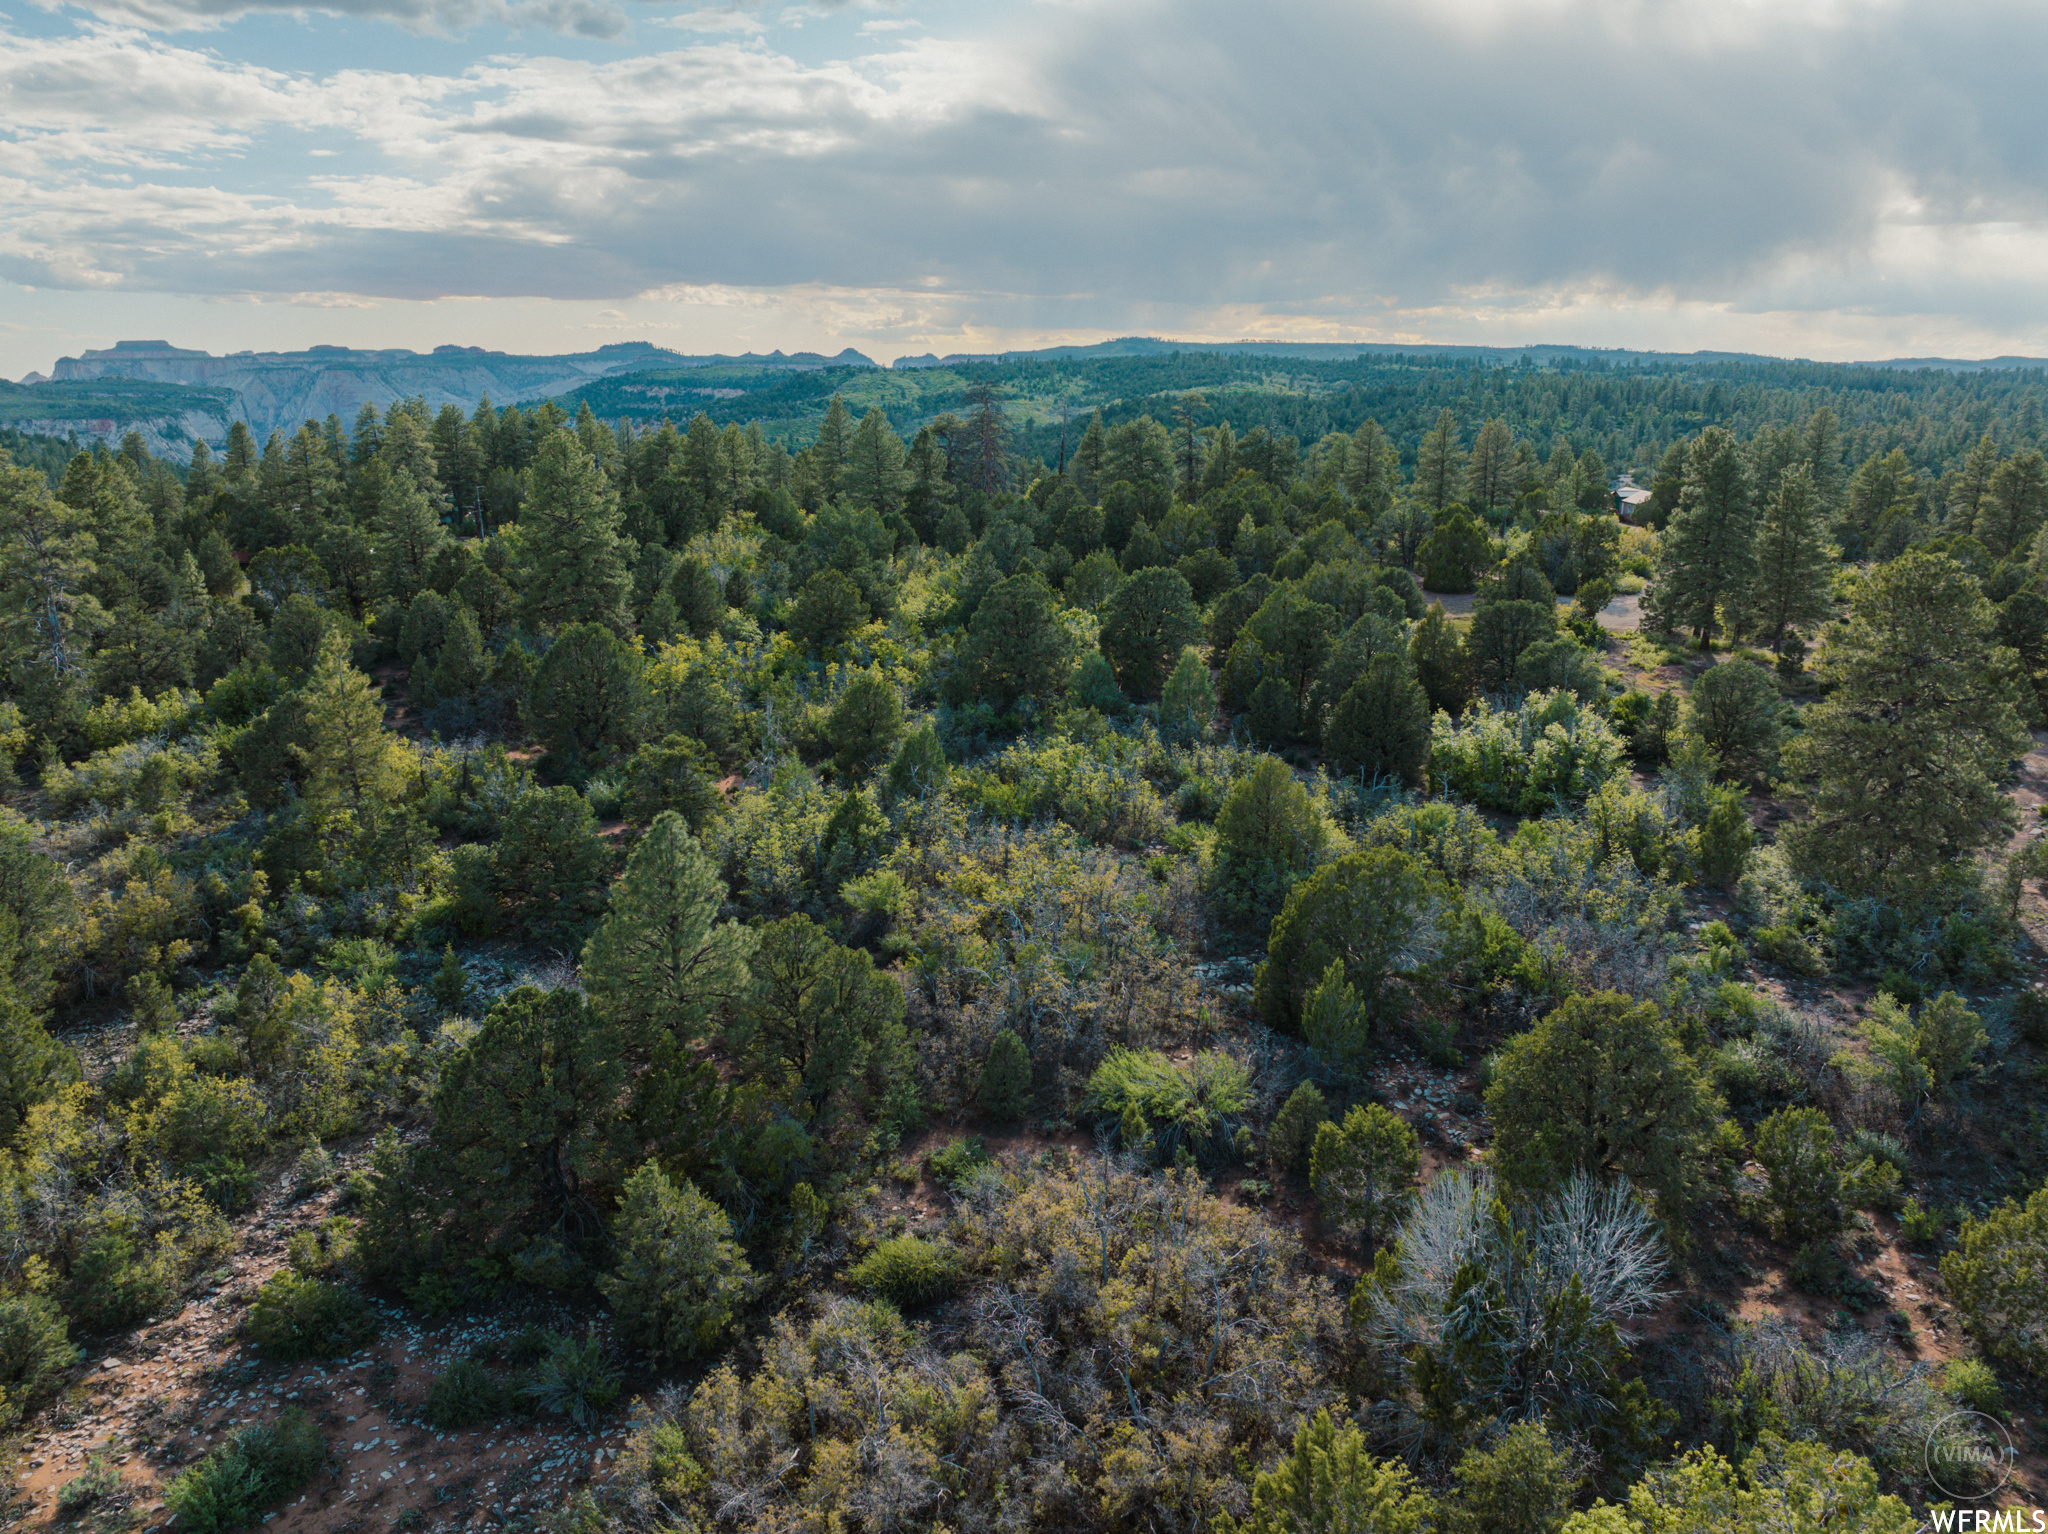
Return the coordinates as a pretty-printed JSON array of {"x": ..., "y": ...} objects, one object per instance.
[
  {"x": 1440, "y": 464},
  {"x": 409, "y": 535},
  {"x": 1707, "y": 556},
  {"x": 574, "y": 565},
  {"x": 1372, "y": 470},
  {"x": 828, "y": 455},
  {"x": 1490, "y": 477},
  {"x": 874, "y": 475},
  {"x": 1920, "y": 726},
  {"x": 2014, "y": 503},
  {"x": 355, "y": 768},
  {"x": 1967, "y": 489},
  {"x": 1794, "y": 564},
  {"x": 661, "y": 963}
]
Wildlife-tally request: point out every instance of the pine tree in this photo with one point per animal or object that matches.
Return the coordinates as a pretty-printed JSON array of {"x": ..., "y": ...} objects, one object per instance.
[
  {"x": 1187, "y": 704},
  {"x": 661, "y": 962},
  {"x": 355, "y": 768},
  {"x": 829, "y": 454},
  {"x": 574, "y": 565},
  {"x": 1005, "y": 1088},
  {"x": 1363, "y": 1171},
  {"x": 1824, "y": 458},
  {"x": 1146, "y": 624},
  {"x": 1440, "y": 464},
  {"x": 1380, "y": 728},
  {"x": 875, "y": 476},
  {"x": 1794, "y": 564},
  {"x": 450, "y": 988},
  {"x": 1920, "y": 726},
  {"x": 1968, "y": 486},
  {"x": 822, "y": 1020},
  {"x": 409, "y": 535},
  {"x": 1334, "y": 1025},
  {"x": 680, "y": 1277},
  {"x": 48, "y": 556},
  {"x": 1442, "y": 666},
  {"x": 1707, "y": 556},
  {"x": 1490, "y": 476},
  {"x": 864, "y": 724},
  {"x": 1372, "y": 470},
  {"x": 1091, "y": 458},
  {"x": 522, "y": 1123},
  {"x": 589, "y": 696},
  {"x": 1017, "y": 648},
  {"x": 1602, "y": 1086},
  {"x": 2014, "y": 503}
]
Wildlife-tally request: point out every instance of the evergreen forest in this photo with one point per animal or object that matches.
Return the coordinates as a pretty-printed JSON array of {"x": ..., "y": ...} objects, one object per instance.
[{"x": 1173, "y": 944}]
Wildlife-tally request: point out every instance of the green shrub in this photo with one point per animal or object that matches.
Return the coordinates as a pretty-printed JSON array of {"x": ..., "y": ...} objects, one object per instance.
[
  {"x": 296, "y": 1317},
  {"x": 102, "y": 1478},
  {"x": 35, "y": 1355},
  {"x": 463, "y": 1395},
  {"x": 957, "y": 1160},
  {"x": 257, "y": 1466},
  {"x": 1197, "y": 1107},
  {"x": 1971, "y": 1382},
  {"x": 1998, "y": 1277},
  {"x": 1796, "y": 1147},
  {"x": 113, "y": 1282},
  {"x": 1921, "y": 1227},
  {"x": 1523, "y": 760},
  {"x": 907, "y": 1271},
  {"x": 680, "y": 1276},
  {"x": 573, "y": 1380},
  {"x": 1522, "y": 1483}
]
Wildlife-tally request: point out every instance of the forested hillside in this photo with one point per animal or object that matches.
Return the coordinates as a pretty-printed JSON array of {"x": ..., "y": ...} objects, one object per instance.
[{"x": 1182, "y": 943}]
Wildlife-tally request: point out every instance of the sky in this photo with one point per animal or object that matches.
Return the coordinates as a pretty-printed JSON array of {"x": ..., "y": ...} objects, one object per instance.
[{"x": 1836, "y": 179}]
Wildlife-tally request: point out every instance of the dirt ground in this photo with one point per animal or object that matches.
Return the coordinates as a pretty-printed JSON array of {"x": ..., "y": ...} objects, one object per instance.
[{"x": 169, "y": 1390}]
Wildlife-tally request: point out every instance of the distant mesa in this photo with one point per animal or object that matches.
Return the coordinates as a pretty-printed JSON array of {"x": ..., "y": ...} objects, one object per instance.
[{"x": 129, "y": 351}]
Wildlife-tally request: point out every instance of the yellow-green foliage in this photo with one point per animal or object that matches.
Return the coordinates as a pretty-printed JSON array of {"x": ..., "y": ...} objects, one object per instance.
[
  {"x": 1998, "y": 1277},
  {"x": 1547, "y": 749},
  {"x": 1130, "y": 1342},
  {"x": 1783, "y": 1486},
  {"x": 116, "y": 721},
  {"x": 1099, "y": 790}
]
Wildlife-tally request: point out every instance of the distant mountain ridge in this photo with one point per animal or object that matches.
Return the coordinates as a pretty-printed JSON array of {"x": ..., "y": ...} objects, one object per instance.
[
  {"x": 1327, "y": 351},
  {"x": 278, "y": 390}
]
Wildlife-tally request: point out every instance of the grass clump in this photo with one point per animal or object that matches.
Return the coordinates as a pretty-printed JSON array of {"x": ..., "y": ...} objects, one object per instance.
[
  {"x": 463, "y": 1395},
  {"x": 573, "y": 1379},
  {"x": 907, "y": 1271},
  {"x": 1174, "y": 1110}
]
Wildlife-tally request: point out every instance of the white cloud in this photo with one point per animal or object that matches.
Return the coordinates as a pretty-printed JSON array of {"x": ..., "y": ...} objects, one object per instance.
[
  {"x": 582, "y": 18},
  {"x": 1333, "y": 169}
]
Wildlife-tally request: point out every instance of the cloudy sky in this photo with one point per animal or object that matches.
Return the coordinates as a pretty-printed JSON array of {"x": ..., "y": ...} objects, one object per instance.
[{"x": 1824, "y": 178}]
